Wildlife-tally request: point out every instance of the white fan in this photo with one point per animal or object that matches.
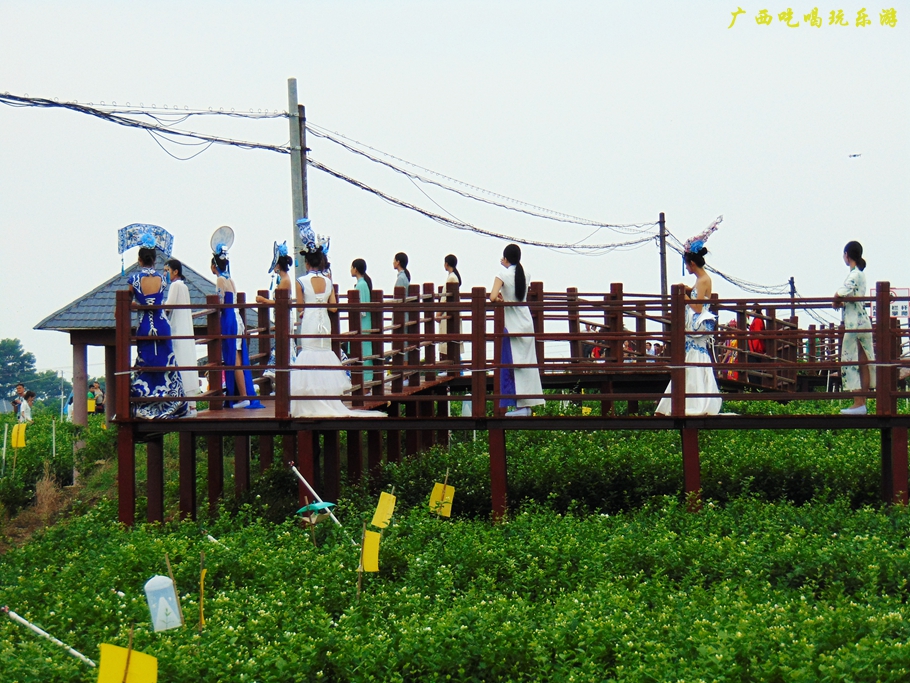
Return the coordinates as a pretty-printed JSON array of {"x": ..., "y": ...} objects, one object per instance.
[{"x": 222, "y": 240}]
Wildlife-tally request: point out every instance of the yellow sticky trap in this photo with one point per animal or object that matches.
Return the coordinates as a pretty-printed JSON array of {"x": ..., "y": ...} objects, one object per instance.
[
  {"x": 384, "y": 510},
  {"x": 441, "y": 499},
  {"x": 586, "y": 410},
  {"x": 143, "y": 668},
  {"x": 19, "y": 435},
  {"x": 371, "y": 551}
]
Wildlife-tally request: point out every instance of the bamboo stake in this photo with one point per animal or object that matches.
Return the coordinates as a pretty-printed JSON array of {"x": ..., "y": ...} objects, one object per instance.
[
  {"x": 170, "y": 573},
  {"x": 129, "y": 651},
  {"x": 15, "y": 617},
  {"x": 202, "y": 572},
  {"x": 360, "y": 568}
]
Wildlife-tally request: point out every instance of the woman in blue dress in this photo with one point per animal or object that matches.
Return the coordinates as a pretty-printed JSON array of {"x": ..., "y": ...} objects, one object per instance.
[
  {"x": 234, "y": 351},
  {"x": 147, "y": 288}
]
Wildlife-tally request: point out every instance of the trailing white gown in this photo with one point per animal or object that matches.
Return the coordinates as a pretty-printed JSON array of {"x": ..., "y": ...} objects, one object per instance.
[
  {"x": 318, "y": 351},
  {"x": 699, "y": 379},
  {"x": 182, "y": 325}
]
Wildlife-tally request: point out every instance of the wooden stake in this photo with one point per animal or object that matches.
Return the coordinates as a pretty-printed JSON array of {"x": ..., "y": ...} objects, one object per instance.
[
  {"x": 129, "y": 651},
  {"x": 360, "y": 568},
  {"x": 170, "y": 573},
  {"x": 201, "y": 591}
]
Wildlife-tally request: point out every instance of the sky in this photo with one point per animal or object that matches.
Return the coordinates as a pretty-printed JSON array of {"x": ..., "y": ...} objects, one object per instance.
[{"x": 612, "y": 111}]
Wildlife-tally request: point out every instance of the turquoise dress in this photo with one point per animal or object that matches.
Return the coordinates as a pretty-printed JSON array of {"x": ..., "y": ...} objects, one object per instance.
[{"x": 366, "y": 323}]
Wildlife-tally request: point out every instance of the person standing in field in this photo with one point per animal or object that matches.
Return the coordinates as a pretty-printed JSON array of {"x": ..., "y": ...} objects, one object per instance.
[{"x": 857, "y": 344}]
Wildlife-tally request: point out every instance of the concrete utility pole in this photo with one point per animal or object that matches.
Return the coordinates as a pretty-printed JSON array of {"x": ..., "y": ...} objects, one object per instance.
[
  {"x": 663, "y": 264},
  {"x": 297, "y": 119}
]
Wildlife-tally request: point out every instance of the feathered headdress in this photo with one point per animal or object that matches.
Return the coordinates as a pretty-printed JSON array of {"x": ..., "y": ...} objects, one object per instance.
[
  {"x": 146, "y": 236},
  {"x": 311, "y": 241},
  {"x": 695, "y": 244}
]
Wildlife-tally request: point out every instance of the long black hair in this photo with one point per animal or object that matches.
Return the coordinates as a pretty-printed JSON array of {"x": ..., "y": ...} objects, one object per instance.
[
  {"x": 284, "y": 263},
  {"x": 314, "y": 259},
  {"x": 512, "y": 254},
  {"x": 360, "y": 266},
  {"x": 402, "y": 259},
  {"x": 696, "y": 257},
  {"x": 221, "y": 263},
  {"x": 854, "y": 251},
  {"x": 176, "y": 266},
  {"x": 451, "y": 262}
]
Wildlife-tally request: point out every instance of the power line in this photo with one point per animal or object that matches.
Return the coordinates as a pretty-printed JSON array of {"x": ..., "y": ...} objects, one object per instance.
[
  {"x": 531, "y": 209},
  {"x": 461, "y": 225}
]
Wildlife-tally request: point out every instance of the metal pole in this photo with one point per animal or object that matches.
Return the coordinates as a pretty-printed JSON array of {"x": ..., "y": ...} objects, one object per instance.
[
  {"x": 296, "y": 168},
  {"x": 792, "y": 297},
  {"x": 663, "y": 266}
]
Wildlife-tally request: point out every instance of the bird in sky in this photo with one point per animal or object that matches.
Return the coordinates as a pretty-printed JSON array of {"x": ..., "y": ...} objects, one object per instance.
[{"x": 853, "y": 156}]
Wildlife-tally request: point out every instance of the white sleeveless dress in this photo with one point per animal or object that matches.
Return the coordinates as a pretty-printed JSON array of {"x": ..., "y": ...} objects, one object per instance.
[
  {"x": 699, "y": 379},
  {"x": 318, "y": 351}
]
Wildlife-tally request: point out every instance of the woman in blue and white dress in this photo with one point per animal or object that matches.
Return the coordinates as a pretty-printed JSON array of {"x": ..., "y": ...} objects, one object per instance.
[
  {"x": 700, "y": 325},
  {"x": 147, "y": 287},
  {"x": 857, "y": 346}
]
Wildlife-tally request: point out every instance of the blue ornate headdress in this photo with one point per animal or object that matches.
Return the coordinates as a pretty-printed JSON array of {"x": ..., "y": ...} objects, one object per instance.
[
  {"x": 695, "y": 244},
  {"x": 278, "y": 251},
  {"x": 143, "y": 235},
  {"x": 311, "y": 241}
]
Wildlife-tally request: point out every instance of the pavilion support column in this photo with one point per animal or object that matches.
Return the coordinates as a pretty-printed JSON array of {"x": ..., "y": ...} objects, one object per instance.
[
  {"x": 355, "y": 455},
  {"x": 110, "y": 382},
  {"x": 894, "y": 465},
  {"x": 498, "y": 476},
  {"x": 374, "y": 453},
  {"x": 266, "y": 451},
  {"x": 331, "y": 474},
  {"x": 80, "y": 387},
  {"x": 241, "y": 465},
  {"x": 306, "y": 462},
  {"x": 215, "y": 447}
]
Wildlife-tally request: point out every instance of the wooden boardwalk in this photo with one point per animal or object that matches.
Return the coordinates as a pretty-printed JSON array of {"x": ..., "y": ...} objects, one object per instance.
[{"x": 419, "y": 372}]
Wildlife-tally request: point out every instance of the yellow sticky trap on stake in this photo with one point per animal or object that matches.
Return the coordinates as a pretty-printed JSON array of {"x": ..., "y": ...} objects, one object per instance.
[
  {"x": 19, "y": 435},
  {"x": 371, "y": 551},
  {"x": 120, "y": 665},
  {"x": 441, "y": 499},
  {"x": 384, "y": 510}
]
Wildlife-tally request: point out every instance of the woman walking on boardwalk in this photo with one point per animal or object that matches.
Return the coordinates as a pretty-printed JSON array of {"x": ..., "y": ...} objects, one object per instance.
[
  {"x": 857, "y": 346},
  {"x": 181, "y": 320},
  {"x": 452, "y": 277},
  {"x": 511, "y": 285},
  {"x": 700, "y": 325},
  {"x": 365, "y": 290}
]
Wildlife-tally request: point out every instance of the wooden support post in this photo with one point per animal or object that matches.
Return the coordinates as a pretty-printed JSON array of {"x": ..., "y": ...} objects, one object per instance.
[
  {"x": 110, "y": 383},
  {"x": 241, "y": 465},
  {"x": 412, "y": 434},
  {"x": 126, "y": 473},
  {"x": 886, "y": 373},
  {"x": 442, "y": 410},
  {"x": 355, "y": 328},
  {"x": 266, "y": 340},
  {"x": 616, "y": 323},
  {"x": 215, "y": 459},
  {"x": 266, "y": 451},
  {"x": 478, "y": 352},
  {"x": 498, "y": 475},
  {"x": 428, "y": 310},
  {"x": 678, "y": 351},
  {"x": 413, "y": 341},
  {"x": 378, "y": 321},
  {"x": 574, "y": 325},
  {"x": 331, "y": 475},
  {"x": 154, "y": 459},
  {"x": 425, "y": 412},
  {"x": 691, "y": 468},
  {"x": 398, "y": 344},
  {"x": 894, "y": 465},
  {"x": 80, "y": 384},
  {"x": 306, "y": 463},
  {"x": 393, "y": 436},
  {"x": 773, "y": 347},
  {"x": 355, "y": 455},
  {"x": 289, "y": 447},
  {"x": 374, "y": 452},
  {"x": 535, "y": 303},
  {"x": 213, "y": 346},
  {"x": 187, "y": 475},
  {"x": 282, "y": 379},
  {"x": 499, "y": 338},
  {"x": 453, "y": 326}
]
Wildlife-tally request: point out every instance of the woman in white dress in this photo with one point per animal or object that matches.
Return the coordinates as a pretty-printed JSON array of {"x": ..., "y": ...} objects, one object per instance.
[
  {"x": 857, "y": 346},
  {"x": 511, "y": 285},
  {"x": 182, "y": 326},
  {"x": 700, "y": 324},
  {"x": 453, "y": 277},
  {"x": 316, "y": 288}
]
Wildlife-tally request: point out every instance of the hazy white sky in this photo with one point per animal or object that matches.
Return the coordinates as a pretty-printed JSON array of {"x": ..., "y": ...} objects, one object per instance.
[{"x": 614, "y": 111}]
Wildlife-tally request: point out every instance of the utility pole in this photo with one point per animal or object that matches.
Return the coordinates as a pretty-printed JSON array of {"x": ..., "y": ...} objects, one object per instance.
[
  {"x": 792, "y": 297},
  {"x": 663, "y": 266},
  {"x": 298, "y": 167}
]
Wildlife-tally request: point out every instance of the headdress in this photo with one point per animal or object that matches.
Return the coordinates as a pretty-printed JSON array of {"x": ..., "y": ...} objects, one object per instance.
[
  {"x": 146, "y": 236},
  {"x": 278, "y": 251},
  {"x": 222, "y": 240},
  {"x": 311, "y": 241},
  {"x": 695, "y": 244}
]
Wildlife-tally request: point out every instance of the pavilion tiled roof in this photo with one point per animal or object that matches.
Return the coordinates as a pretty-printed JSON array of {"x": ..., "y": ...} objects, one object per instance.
[{"x": 95, "y": 310}]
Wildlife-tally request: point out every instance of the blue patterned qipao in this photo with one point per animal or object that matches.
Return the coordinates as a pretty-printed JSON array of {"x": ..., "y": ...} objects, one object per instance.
[
  {"x": 154, "y": 353},
  {"x": 231, "y": 324}
]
